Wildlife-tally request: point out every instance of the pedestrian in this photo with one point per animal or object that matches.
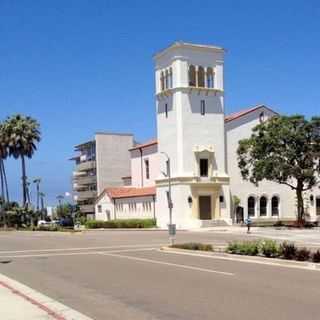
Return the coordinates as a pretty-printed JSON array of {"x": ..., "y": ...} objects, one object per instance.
[{"x": 248, "y": 223}]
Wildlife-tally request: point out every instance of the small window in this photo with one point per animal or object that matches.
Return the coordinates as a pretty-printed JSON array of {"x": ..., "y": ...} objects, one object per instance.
[
  {"x": 209, "y": 77},
  {"x": 203, "y": 107},
  {"x": 166, "y": 110},
  {"x": 146, "y": 162},
  {"x": 99, "y": 208},
  {"x": 261, "y": 117},
  {"x": 204, "y": 167}
]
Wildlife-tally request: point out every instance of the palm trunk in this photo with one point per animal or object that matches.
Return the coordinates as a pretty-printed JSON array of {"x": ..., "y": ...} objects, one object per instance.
[
  {"x": 2, "y": 194},
  {"x": 5, "y": 181},
  {"x": 24, "y": 182}
]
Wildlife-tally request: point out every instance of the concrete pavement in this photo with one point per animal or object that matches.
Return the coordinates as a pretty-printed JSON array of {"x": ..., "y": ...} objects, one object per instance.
[{"x": 123, "y": 275}]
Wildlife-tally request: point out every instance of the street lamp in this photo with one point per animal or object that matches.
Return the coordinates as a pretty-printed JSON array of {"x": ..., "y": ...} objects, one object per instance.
[
  {"x": 171, "y": 226},
  {"x": 37, "y": 182}
]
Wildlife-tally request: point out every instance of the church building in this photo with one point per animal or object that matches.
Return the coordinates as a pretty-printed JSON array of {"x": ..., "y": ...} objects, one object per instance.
[{"x": 196, "y": 149}]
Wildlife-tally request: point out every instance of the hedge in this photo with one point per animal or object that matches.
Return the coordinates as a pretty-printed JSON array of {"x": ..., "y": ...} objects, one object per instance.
[
  {"x": 123, "y": 223},
  {"x": 193, "y": 246}
]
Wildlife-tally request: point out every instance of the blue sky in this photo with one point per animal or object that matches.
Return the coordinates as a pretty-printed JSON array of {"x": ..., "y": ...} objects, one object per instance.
[{"x": 86, "y": 66}]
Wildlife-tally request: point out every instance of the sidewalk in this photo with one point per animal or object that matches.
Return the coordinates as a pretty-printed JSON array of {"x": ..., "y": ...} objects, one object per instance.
[{"x": 19, "y": 302}]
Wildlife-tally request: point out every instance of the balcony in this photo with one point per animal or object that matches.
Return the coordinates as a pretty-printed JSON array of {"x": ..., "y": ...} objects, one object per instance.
[
  {"x": 84, "y": 195},
  {"x": 87, "y": 208},
  {"x": 88, "y": 165},
  {"x": 85, "y": 180}
]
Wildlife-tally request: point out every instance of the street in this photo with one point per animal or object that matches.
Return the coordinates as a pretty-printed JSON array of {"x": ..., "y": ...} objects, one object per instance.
[{"x": 124, "y": 275}]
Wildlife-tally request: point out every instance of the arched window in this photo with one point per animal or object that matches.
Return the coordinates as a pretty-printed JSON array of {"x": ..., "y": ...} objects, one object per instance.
[
  {"x": 209, "y": 78},
  {"x": 192, "y": 76},
  {"x": 261, "y": 117},
  {"x": 166, "y": 80},
  {"x": 201, "y": 77},
  {"x": 275, "y": 206},
  {"x": 162, "y": 81},
  {"x": 170, "y": 78},
  {"x": 251, "y": 206},
  {"x": 263, "y": 206}
]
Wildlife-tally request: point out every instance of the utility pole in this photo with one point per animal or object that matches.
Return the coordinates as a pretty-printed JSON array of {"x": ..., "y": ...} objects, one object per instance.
[
  {"x": 171, "y": 226},
  {"x": 37, "y": 182}
]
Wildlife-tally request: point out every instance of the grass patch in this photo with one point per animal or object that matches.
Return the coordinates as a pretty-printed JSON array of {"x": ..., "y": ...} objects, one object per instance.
[
  {"x": 193, "y": 246},
  {"x": 123, "y": 223}
]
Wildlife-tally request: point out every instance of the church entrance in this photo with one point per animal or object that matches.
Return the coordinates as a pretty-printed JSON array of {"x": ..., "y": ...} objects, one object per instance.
[{"x": 205, "y": 207}]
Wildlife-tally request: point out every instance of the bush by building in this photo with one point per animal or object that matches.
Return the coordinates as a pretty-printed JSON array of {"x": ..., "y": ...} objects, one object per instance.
[{"x": 125, "y": 223}]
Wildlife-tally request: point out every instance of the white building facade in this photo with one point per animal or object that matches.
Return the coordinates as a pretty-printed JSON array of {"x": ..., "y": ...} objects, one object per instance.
[{"x": 201, "y": 143}]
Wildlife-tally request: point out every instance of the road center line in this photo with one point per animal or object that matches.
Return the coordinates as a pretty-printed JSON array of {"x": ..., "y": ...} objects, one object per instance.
[
  {"x": 182, "y": 266},
  {"x": 84, "y": 248}
]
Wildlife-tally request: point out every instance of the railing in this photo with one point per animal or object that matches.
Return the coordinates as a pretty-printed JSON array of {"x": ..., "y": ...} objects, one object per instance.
[
  {"x": 87, "y": 208},
  {"x": 83, "y": 195},
  {"x": 88, "y": 165}
]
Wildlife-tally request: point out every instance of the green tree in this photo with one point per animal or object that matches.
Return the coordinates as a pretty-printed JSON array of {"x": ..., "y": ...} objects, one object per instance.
[
  {"x": 23, "y": 133},
  {"x": 285, "y": 150}
]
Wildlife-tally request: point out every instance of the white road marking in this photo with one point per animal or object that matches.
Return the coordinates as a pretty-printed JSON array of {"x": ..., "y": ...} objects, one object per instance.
[
  {"x": 72, "y": 253},
  {"x": 85, "y": 248},
  {"x": 183, "y": 266}
]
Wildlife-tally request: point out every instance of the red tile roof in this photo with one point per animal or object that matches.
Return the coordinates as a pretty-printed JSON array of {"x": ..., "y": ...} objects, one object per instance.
[
  {"x": 128, "y": 192},
  {"x": 239, "y": 114},
  {"x": 145, "y": 145}
]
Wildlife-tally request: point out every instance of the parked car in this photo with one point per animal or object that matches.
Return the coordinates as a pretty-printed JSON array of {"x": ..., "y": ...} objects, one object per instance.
[
  {"x": 66, "y": 222},
  {"x": 43, "y": 223}
]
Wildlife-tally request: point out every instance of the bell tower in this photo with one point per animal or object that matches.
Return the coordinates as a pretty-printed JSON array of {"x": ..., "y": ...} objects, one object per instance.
[{"x": 190, "y": 128}]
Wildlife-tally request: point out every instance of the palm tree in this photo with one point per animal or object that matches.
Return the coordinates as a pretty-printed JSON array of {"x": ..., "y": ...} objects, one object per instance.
[
  {"x": 3, "y": 156},
  {"x": 37, "y": 183},
  {"x": 23, "y": 133}
]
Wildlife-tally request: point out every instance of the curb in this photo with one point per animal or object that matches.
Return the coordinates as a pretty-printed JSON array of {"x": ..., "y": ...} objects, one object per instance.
[
  {"x": 246, "y": 259},
  {"x": 53, "y": 308}
]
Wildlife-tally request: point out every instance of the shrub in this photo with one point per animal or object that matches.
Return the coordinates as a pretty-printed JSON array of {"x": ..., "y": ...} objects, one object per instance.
[
  {"x": 303, "y": 254},
  {"x": 125, "y": 223},
  {"x": 193, "y": 246},
  {"x": 269, "y": 248},
  {"x": 316, "y": 256},
  {"x": 250, "y": 248},
  {"x": 288, "y": 250}
]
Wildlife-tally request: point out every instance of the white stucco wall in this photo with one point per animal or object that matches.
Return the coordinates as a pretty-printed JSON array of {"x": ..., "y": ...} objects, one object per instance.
[
  {"x": 126, "y": 208},
  {"x": 149, "y": 153}
]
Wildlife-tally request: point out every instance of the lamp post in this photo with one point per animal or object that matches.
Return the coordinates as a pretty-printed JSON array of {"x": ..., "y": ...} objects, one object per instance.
[
  {"x": 37, "y": 183},
  {"x": 171, "y": 227}
]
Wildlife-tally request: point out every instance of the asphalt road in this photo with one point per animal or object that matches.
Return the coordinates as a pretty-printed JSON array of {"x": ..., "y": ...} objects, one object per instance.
[{"x": 123, "y": 275}]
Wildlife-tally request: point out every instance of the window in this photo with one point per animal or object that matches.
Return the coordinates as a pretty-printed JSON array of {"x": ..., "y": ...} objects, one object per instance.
[
  {"x": 202, "y": 107},
  {"x": 204, "y": 167},
  {"x": 318, "y": 206},
  {"x": 99, "y": 208},
  {"x": 201, "y": 77},
  {"x": 263, "y": 206},
  {"x": 192, "y": 76},
  {"x": 209, "y": 78},
  {"x": 251, "y": 206},
  {"x": 166, "y": 85},
  {"x": 146, "y": 162},
  {"x": 275, "y": 206},
  {"x": 162, "y": 81},
  {"x": 261, "y": 117},
  {"x": 166, "y": 110},
  {"x": 170, "y": 78}
]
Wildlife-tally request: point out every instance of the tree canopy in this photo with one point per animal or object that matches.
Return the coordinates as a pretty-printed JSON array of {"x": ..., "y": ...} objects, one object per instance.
[{"x": 286, "y": 150}]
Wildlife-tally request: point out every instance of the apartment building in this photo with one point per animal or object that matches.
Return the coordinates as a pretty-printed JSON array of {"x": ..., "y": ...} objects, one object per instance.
[{"x": 100, "y": 163}]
